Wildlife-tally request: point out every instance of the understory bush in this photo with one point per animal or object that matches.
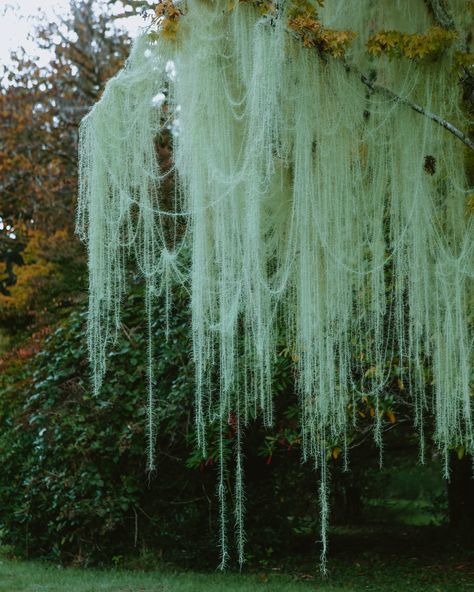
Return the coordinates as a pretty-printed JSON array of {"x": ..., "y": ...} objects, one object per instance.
[{"x": 73, "y": 480}]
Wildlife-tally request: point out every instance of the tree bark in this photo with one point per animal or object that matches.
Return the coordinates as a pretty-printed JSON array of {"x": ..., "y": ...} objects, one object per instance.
[{"x": 461, "y": 495}]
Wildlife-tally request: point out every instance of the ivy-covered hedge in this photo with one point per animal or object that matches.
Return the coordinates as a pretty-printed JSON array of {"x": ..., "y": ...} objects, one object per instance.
[{"x": 73, "y": 484}]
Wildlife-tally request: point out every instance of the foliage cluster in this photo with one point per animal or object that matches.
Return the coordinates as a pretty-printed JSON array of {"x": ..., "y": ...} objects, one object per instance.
[
  {"x": 49, "y": 280},
  {"x": 40, "y": 109},
  {"x": 411, "y": 46},
  {"x": 77, "y": 460},
  {"x": 304, "y": 22},
  {"x": 168, "y": 14},
  {"x": 73, "y": 484}
]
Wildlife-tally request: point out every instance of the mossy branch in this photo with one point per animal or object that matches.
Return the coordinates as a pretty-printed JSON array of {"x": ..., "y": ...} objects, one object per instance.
[
  {"x": 418, "y": 108},
  {"x": 441, "y": 14}
]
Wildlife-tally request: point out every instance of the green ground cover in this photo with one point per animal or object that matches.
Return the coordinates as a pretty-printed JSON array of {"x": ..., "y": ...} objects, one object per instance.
[
  {"x": 402, "y": 575},
  {"x": 36, "y": 577}
]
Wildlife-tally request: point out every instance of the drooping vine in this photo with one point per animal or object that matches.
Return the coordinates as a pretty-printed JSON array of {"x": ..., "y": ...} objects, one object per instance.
[{"x": 319, "y": 206}]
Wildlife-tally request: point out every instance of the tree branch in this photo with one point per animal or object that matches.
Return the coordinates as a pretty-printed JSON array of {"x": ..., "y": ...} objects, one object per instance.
[
  {"x": 441, "y": 14},
  {"x": 418, "y": 108},
  {"x": 444, "y": 19}
]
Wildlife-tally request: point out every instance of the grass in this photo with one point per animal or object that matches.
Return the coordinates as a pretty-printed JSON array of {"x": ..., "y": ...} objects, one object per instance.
[
  {"x": 36, "y": 577},
  {"x": 22, "y": 576},
  {"x": 383, "y": 558}
]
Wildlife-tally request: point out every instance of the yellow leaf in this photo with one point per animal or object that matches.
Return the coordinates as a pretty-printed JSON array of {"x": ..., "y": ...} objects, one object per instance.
[
  {"x": 336, "y": 452},
  {"x": 391, "y": 417},
  {"x": 370, "y": 372}
]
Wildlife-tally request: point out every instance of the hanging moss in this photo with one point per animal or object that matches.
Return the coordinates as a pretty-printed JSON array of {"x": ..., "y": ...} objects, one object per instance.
[{"x": 309, "y": 213}]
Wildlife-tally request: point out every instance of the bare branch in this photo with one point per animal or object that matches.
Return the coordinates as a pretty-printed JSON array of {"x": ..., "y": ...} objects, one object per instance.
[{"x": 418, "y": 108}]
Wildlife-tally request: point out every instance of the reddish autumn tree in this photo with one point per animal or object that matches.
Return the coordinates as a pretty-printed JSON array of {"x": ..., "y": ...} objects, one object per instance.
[{"x": 40, "y": 110}]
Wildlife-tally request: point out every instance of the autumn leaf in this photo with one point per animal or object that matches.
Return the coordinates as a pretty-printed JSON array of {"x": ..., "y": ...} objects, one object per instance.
[{"x": 411, "y": 46}]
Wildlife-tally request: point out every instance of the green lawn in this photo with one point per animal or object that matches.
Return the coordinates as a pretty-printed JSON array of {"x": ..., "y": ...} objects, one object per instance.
[
  {"x": 36, "y": 577},
  {"x": 382, "y": 558},
  {"x": 400, "y": 576}
]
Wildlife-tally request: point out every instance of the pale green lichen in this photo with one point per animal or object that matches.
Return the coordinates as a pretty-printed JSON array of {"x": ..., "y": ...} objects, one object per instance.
[{"x": 310, "y": 215}]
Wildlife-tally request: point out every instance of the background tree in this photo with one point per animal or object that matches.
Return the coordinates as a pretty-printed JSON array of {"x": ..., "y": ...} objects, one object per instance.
[{"x": 41, "y": 109}]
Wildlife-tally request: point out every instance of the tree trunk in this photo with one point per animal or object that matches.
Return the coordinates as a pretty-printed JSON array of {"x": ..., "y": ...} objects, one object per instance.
[{"x": 461, "y": 494}]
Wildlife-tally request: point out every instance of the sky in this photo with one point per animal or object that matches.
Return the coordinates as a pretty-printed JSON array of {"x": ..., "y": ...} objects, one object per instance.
[{"x": 17, "y": 18}]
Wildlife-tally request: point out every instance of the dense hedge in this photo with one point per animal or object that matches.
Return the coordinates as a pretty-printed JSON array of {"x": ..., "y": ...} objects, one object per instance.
[{"x": 73, "y": 484}]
